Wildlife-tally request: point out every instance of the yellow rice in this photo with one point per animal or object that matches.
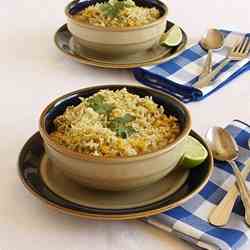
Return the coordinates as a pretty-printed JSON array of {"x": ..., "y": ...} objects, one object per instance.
[
  {"x": 84, "y": 130},
  {"x": 128, "y": 17}
]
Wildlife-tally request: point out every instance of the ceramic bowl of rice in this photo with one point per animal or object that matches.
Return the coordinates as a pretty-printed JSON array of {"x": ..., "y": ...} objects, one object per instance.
[
  {"x": 115, "y": 137},
  {"x": 117, "y": 27}
]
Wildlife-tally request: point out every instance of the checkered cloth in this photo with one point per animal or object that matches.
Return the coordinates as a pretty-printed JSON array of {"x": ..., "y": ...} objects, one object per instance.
[
  {"x": 177, "y": 76},
  {"x": 190, "y": 221}
]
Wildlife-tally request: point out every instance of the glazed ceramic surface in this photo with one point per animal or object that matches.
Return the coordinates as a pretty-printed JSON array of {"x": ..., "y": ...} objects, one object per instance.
[
  {"x": 71, "y": 191},
  {"x": 30, "y": 166},
  {"x": 66, "y": 43},
  {"x": 116, "y": 41},
  {"x": 120, "y": 173}
]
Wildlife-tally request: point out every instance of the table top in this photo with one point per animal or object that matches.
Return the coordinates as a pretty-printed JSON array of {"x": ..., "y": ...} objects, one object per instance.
[{"x": 33, "y": 72}]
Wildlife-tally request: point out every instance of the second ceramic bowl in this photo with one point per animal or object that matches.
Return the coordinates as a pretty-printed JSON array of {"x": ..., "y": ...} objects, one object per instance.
[
  {"x": 120, "y": 173},
  {"x": 116, "y": 41}
]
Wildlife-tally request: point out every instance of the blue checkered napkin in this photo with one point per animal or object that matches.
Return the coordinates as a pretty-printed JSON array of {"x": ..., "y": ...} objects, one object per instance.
[
  {"x": 178, "y": 75},
  {"x": 189, "y": 221}
]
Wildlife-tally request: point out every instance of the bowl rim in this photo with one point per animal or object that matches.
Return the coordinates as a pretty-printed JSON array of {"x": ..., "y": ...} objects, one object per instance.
[
  {"x": 112, "y": 29},
  {"x": 104, "y": 159}
]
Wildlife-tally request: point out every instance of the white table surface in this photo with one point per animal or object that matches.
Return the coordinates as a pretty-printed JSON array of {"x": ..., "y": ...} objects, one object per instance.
[{"x": 33, "y": 72}]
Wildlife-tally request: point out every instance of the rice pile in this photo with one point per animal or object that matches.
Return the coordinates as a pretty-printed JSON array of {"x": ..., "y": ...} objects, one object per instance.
[
  {"x": 115, "y": 13},
  {"x": 115, "y": 124}
]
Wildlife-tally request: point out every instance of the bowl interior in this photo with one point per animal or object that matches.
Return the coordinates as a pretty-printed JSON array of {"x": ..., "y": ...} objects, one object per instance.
[
  {"x": 170, "y": 104},
  {"x": 76, "y": 6}
]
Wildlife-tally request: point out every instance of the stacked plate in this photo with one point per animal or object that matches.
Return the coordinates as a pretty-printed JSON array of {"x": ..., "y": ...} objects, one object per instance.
[{"x": 66, "y": 43}]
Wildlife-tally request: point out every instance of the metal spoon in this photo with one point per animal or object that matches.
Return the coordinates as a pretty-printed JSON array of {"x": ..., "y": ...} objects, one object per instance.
[
  {"x": 224, "y": 148},
  {"x": 212, "y": 40},
  {"x": 221, "y": 213}
]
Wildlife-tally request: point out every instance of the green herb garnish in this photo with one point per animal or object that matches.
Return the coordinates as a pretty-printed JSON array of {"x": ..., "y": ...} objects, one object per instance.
[
  {"x": 119, "y": 125},
  {"x": 121, "y": 121},
  {"x": 113, "y": 8},
  {"x": 125, "y": 132},
  {"x": 109, "y": 10},
  {"x": 98, "y": 105}
]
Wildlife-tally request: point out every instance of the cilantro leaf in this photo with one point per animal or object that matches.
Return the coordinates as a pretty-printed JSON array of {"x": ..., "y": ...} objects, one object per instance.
[
  {"x": 109, "y": 10},
  {"x": 98, "y": 105},
  {"x": 113, "y": 8},
  {"x": 119, "y": 125},
  {"x": 125, "y": 132},
  {"x": 121, "y": 121}
]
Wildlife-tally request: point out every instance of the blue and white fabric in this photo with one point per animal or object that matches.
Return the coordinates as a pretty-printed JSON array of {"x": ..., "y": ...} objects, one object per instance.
[
  {"x": 179, "y": 75},
  {"x": 190, "y": 221}
]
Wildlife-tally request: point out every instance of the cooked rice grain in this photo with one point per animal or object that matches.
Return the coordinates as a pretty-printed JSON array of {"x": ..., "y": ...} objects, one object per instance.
[
  {"x": 128, "y": 17},
  {"x": 84, "y": 130}
]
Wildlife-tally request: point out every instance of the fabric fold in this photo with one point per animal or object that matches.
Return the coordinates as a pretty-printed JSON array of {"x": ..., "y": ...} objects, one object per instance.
[
  {"x": 179, "y": 75},
  {"x": 190, "y": 221}
]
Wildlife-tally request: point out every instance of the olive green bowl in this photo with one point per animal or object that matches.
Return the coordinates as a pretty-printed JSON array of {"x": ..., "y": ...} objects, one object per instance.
[
  {"x": 120, "y": 173},
  {"x": 116, "y": 41}
]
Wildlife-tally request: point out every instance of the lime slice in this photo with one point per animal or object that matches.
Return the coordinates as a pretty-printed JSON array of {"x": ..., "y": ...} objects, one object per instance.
[
  {"x": 172, "y": 38},
  {"x": 195, "y": 153}
]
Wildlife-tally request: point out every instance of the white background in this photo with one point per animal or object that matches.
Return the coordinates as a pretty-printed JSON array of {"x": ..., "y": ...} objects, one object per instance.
[{"x": 33, "y": 72}]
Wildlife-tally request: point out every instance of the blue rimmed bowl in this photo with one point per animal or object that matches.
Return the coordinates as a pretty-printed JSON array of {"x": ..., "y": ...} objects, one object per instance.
[
  {"x": 119, "y": 173},
  {"x": 116, "y": 41}
]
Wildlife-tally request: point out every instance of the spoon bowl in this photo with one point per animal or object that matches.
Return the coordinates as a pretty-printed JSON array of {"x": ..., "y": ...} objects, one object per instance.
[
  {"x": 212, "y": 40},
  {"x": 222, "y": 144}
]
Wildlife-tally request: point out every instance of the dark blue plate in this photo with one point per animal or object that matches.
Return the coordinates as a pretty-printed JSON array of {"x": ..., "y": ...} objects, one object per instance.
[{"x": 29, "y": 171}]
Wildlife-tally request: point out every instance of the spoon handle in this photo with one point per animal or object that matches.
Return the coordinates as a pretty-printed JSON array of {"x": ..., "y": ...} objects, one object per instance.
[
  {"x": 207, "y": 80},
  {"x": 245, "y": 196},
  {"x": 207, "y": 68},
  {"x": 221, "y": 213}
]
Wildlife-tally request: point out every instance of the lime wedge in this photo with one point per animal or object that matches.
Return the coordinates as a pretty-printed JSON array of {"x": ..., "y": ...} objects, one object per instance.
[
  {"x": 172, "y": 37},
  {"x": 195, "y": 153}
]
